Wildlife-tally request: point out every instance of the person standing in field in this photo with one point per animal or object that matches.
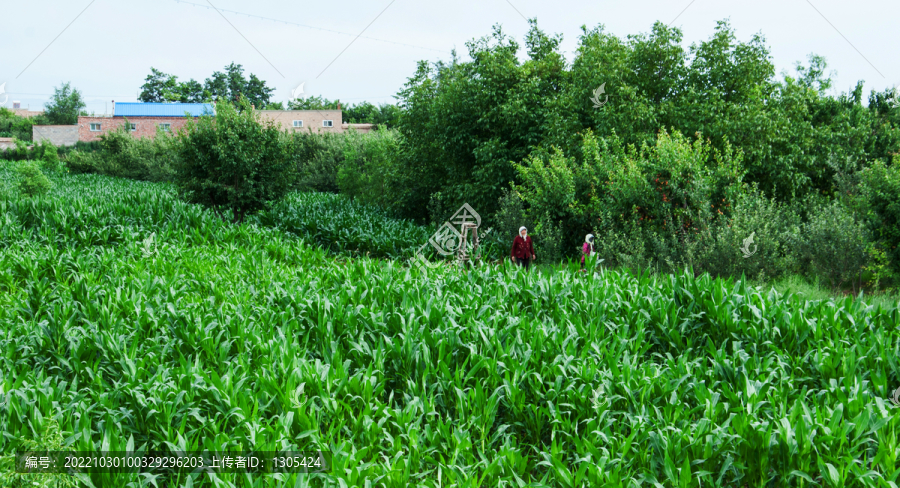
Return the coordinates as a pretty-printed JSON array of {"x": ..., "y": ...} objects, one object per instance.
[
  {"x": 587, "y": 249},
  {"x": 522, "y": 250}
]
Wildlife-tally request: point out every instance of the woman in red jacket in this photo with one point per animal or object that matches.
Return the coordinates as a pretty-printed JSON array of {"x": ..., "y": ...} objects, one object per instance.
[{"x": 522, "y": 249}]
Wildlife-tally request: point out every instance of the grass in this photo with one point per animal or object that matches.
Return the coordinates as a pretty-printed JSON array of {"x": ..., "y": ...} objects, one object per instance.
[{"x": 217, "y": 337}]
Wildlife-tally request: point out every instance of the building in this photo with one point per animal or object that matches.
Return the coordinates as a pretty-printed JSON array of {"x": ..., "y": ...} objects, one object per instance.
[
  {"x": 59, "y": 135},
  {"x": 144, "y": 119},
  {"x": 7, "y": 143},
  {"x": 24, "y": 112},
  {"x": 318, "y": 121}
]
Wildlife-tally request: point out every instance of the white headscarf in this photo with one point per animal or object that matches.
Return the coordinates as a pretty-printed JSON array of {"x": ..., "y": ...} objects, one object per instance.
[
  {"x": 587, "y": 238},
  {"x": 521, "y": 229}
]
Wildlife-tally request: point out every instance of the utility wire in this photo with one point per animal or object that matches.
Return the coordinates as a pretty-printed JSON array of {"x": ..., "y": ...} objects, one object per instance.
[{"x": 313, "y": 27}]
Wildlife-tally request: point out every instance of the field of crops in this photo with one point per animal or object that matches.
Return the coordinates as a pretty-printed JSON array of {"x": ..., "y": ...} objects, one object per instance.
[
  {"x": 129, "y": 318},
  {"x": 341, "y": 225}
]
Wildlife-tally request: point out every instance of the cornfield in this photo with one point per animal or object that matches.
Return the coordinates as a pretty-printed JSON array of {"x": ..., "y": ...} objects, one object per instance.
[{"x": 128, "y": 318}]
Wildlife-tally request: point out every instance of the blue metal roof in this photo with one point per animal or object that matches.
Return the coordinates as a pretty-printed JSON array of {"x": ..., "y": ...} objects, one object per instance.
[{"x": 163, "y": 109}]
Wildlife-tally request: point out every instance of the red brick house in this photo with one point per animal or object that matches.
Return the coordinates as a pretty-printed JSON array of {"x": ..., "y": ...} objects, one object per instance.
[{"x": 144, "y": 119}]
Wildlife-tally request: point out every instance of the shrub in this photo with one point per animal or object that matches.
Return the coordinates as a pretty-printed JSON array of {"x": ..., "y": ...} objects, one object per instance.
[
  {"x": 668, "y": 190},
  {"x": 835, "y": 244},
  {"x": 770, "y": 253},
  {"x": 233, "y": 161},
  {"x": 876, "y": 200},
  {"x": 83, "y": 162},
  {"x": 139, "y": 159},
  {"x": 49, "y": 156},
  {"x": 363, "y": 172},
  {"x": 33, "y": 182},
  {"x": 316, "y": 158}
]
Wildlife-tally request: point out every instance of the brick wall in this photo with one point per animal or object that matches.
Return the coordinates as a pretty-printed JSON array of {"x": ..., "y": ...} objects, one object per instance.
[
  {"x": 24, "y": 112},
  {"x": 59, "y": 135},
  {"x": 145, "y": 126},
  {"x": 361, "y": 128},
  {"x": 312, "y": 119}
]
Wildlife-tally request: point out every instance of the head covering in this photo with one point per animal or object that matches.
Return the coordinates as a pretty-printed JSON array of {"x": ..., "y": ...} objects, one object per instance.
[
  {"x": 521, "y": 229},
  {"x": 588, "y": 238}
]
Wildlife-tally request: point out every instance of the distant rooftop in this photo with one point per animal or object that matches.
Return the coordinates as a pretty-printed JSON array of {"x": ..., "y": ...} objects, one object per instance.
[{"x": 163, "y": 109}]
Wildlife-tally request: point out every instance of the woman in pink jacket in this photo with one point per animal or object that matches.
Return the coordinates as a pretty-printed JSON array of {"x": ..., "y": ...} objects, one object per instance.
[{"x": 587, "y": 249}]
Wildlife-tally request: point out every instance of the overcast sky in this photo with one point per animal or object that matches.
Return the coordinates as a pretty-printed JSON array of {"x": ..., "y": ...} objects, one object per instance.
[{"x": 108, "y": 50}]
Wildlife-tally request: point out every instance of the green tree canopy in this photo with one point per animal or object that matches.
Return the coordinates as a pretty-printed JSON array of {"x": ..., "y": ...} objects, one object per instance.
[
  {"x": 230, "y": 85},
  {"x": 65, "y": 106}
]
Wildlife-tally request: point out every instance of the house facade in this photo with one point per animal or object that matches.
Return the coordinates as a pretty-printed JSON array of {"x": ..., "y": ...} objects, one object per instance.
[
  {"x": 317, "y": 121},
  {"x": 144, "y": 119}
]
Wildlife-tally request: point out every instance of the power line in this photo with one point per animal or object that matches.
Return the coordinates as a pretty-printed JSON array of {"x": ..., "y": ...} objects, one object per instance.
[{"x": 314, "y": 27}]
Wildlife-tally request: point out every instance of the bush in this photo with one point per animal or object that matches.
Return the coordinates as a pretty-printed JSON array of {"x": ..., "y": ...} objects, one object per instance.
[
  {"x": 770, "y": 253},
  {"x": 668, "y": 191},
  {"x": 316, "y": 158},
  {"x": 835, "y": 243},
  {"x": 140, "y": 159},
  {"x": 876, "y": 200},
  {"x": 233, "y": 161},
  {"x": 366, "y": 165},
  {"x": 33, "y": 182},
  {"x": 49, "y": 156},
  {"x": 84, "y": 162}
]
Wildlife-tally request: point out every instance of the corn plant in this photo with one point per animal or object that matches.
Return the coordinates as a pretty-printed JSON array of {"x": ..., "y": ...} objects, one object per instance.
[{"x": 210, "y": 336}]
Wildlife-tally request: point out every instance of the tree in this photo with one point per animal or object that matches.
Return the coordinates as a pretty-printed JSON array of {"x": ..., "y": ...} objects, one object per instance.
[
  {"x": 233, "y": 161},
  {"x": 192, "y": 92},
  {"x": 159, "y": 87},
  {"x": 257, "y": 92},
  {"x": 231, "y": 85},
  {"x": 313, "y": 103},
  {"x": 65, "y": 106}
]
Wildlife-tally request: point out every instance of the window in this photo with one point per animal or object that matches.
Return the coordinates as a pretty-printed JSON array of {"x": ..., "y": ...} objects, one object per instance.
[
  {"x": 132, "y": 127},
  {"x": 95, "y": 127},
  {"x": 327, "y": 123},
  {"x": 165, "y": 127},
  {"x": 298, "y": 123}
]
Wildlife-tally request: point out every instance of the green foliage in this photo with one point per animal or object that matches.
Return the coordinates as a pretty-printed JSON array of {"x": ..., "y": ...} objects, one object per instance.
[
  {"x": 12, "y": 125},
  {"x": 317, "y": 158},
  {"x": 384, "y": 115},
  {"x": 670, "y": 189},
  {"x": 85, "y": 162},
  {"x": 367, "y": 166},
  {"x": 835, "y": 244},
  {"x": 160, "y": 87},
  {"x": 317, "y": 102},
  {"x": 771, "y": 231},
  {"x": 119, "y": 153},
  {"x": 226, "y": 337},
  {"x": 875, "y": 198},
  {"x": 345, "y": 226},
  {"x": 233, "y": 161},
  {"x": 32, "y": 181},
  {"x": 49, "y": 156},
  {"x": 65, "y": 106},
  {"x": 465, "y": 123}
]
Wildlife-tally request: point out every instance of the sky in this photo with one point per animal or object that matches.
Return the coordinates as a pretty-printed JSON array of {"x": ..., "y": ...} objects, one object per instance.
[{"x": 366, "y": 50}]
